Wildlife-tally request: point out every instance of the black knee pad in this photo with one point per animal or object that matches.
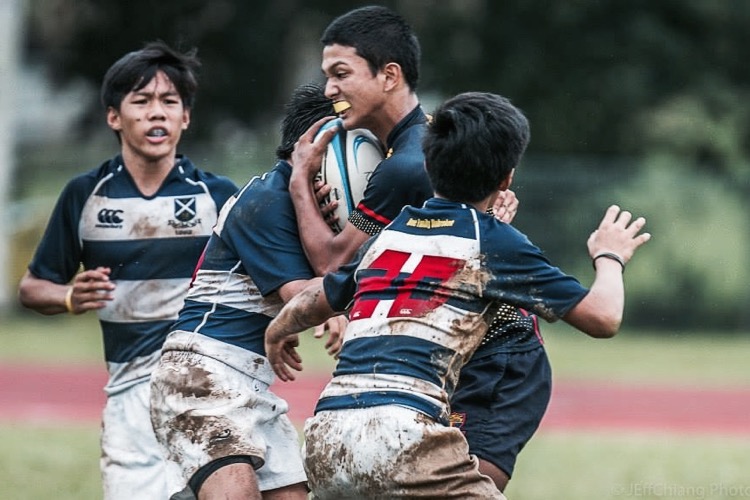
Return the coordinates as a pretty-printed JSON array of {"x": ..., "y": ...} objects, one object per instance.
[{"x": 195, "y": 483}]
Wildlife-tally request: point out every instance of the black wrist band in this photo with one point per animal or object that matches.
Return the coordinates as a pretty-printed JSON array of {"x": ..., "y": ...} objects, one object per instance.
[{"x": 609, "y": 255}]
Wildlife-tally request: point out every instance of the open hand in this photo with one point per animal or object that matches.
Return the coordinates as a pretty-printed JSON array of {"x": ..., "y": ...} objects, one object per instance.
[{"x": 619, "y": 234}]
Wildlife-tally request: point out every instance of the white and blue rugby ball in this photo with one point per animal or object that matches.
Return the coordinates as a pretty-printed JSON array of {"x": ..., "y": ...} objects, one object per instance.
[{"x": 348, "y": 163}]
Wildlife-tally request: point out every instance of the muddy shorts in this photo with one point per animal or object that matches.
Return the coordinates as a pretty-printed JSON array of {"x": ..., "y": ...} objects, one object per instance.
[
  {"x": 390, "y": 452},
  {"x": 211, "y": 400}
]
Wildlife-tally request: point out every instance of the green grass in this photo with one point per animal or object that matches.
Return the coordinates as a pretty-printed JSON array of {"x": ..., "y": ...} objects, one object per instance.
[
  {"x": 669, "y": 357},
  {"x": 61, "y": 462},
  {"x": 702, "y": 359},
  {"x": 594, "y": 466},
  {"x": 49, "y": 462},
  {"x": 32, "y": 338}
]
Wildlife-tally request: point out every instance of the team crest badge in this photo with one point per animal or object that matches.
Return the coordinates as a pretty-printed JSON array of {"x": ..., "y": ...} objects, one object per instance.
[
  {"x": 185, "y": 213},
  {"x": 184, "y": 209}
]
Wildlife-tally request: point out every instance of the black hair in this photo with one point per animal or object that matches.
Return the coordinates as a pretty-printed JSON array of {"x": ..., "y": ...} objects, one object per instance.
[
  {"x": 135, "y": 70},
  {"x": 472, "y": 144},
  {"x": 307, "y": 105},
  {"x": 380, "y": 36}
]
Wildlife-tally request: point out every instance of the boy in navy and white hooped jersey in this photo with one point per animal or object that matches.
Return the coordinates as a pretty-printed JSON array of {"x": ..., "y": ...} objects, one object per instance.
[
  {"x": 137, "y": 225},
  {"x": 420, "y": 297}
]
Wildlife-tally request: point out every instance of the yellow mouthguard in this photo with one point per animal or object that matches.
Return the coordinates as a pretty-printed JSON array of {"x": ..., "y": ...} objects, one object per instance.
[{"x": 340, "y": 106}]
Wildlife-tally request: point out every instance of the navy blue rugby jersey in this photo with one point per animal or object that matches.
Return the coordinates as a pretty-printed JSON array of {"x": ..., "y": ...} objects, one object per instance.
[
  {"x": 151, "y": 244},
  {"x": 400, "y": 179},
  {"x": 420, "y": 297},
  {"x": 254, "y": 249}
]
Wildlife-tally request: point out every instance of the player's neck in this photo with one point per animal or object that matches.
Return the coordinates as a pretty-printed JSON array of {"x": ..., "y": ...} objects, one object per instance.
[
  {"x": 147, "y": 174},
  {"x": 394, "y": 111},
  {"x": 481, "y": 205}
]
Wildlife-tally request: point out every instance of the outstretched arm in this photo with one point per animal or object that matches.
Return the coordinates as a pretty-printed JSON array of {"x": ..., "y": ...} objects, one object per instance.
[
  {"x": 611, "y": 246},
  {"x": 305, "y": 310}
]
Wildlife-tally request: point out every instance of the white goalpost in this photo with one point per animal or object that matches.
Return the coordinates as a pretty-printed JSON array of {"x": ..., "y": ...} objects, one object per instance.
[{"x": 10, "y": 33}]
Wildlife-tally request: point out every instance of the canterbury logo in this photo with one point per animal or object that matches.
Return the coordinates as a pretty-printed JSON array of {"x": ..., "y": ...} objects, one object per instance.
[{"x": 109, "y": 216}]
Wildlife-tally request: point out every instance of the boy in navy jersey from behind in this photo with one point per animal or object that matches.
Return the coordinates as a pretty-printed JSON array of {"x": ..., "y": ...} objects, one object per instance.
[
  {"x": 420, "y": 296},
  {"x": 137, "y": 224}
]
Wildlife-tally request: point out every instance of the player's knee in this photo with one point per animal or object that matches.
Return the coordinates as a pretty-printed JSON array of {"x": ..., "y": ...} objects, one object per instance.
[{"x": 498, "y": 476}]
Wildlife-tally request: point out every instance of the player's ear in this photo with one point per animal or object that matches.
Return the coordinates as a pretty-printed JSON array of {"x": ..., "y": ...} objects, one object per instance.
[
  {"x": 185, "y": 118},
  {"x": 113, "y": 119},
  {"x": 392, "y": 76},
  {"x": 505, "y": 184}
]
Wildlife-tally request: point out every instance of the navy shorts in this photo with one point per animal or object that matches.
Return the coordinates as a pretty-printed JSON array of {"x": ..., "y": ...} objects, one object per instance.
[{"x": 500, "y": 401}]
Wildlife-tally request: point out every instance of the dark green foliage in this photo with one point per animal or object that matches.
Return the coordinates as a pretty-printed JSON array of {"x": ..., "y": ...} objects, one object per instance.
[{"x": 585, "y": 71}]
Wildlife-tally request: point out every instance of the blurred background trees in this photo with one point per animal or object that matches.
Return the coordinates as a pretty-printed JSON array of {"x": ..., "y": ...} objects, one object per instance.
[{"x": 633, "y": 102}]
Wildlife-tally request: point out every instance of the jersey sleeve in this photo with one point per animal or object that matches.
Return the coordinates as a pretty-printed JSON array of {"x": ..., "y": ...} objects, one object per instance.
[
  {"x": 340, "y": 286},
  {"x": 263, "y": 233},
  {"x": 521, "y": 275},
  {"x": 221, "y": 188},
  {"x": 58, "y": 256}
]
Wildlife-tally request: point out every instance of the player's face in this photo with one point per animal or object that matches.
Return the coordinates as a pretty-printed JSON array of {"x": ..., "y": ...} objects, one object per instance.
[
  {"x": 151, "y": 120},
  {"x": 348, "y": 78}
]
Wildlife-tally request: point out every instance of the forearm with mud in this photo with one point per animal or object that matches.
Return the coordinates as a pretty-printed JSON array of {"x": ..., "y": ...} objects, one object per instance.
[{"x": 305, "y": 310}]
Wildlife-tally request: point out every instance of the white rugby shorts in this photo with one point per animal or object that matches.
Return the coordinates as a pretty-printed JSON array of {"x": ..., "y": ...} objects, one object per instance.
[
  {"x": 211, "y": 400},
  {"x": 132, "y": 461}
]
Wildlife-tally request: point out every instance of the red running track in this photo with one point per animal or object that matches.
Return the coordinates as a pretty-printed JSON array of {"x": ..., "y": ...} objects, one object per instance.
[{"x": 57, "y": 394}]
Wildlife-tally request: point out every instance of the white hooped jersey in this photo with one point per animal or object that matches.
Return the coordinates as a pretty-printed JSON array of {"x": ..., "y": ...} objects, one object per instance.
[{"x": 151, "y": 244}]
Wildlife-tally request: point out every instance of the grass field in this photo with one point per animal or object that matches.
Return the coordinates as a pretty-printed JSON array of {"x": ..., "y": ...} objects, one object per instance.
[{"x": 58, "y": 462}]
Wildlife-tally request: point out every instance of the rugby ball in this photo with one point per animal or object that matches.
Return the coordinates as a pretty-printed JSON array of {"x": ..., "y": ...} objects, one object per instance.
[{"x": 348, "y": 163}]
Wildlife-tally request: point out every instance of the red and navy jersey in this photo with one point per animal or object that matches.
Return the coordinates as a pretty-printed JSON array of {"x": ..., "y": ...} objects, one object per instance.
[
  {"x": 254, "y": 249},
  {"x": 151, "y": 244},
  {"x": 400, "y": 179},
  {"x": 421, "y": 296}
]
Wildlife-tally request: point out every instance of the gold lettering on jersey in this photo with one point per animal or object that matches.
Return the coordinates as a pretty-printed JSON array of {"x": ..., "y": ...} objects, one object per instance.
[{"x": 430, "y": 223}]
